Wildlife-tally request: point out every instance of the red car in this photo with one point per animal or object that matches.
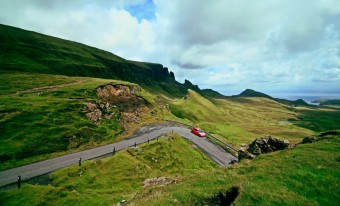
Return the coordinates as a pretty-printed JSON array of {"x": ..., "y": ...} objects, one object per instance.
[{"x": 197, "y": 131}]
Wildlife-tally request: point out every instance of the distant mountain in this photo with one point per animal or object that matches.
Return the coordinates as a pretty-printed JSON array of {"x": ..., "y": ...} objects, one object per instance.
[
  {"x": 253, "y": 93},
  {"x": 27, "y": 51}
]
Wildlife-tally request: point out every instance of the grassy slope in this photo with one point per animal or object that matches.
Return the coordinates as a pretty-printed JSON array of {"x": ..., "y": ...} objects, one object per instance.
[
  {"x": 306, "y": 175},
  {"x": 108, "y": 181},
  {"x": 34, "y": 126},
  {"x": 239, "y": 120}
]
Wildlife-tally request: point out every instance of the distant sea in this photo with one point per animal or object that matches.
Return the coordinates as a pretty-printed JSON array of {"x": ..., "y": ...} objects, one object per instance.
[{"x": 308, "y": 97}]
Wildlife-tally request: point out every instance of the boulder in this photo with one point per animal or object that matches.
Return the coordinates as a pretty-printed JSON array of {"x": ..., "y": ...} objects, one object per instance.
[{"x": 267, "y": 144}]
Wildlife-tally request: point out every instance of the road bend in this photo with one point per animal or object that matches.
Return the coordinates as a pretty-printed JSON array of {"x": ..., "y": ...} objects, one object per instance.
[{"x": 214, "y": 151}]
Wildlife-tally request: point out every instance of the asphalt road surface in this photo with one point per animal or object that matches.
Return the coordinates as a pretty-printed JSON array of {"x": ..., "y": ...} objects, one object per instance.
[{"x": 26, "y": 172}]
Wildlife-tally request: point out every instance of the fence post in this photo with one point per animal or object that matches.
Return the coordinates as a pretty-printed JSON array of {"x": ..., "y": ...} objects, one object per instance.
[{"x": 19, "y": 182}]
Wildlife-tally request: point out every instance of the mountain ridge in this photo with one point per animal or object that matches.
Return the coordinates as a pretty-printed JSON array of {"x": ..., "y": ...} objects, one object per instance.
[
  {"x": 32, "y": 52},
  {"x": 252, "y": 93}
]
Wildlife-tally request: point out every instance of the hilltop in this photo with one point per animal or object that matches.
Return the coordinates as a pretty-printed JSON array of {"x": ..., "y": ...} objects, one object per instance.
[{"x": 253, "y": 93}]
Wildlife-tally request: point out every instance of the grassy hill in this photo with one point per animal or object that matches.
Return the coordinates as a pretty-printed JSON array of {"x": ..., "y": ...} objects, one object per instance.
[
  {"x": 253, "y": 93},
  {"x": 43, "y": 115},
  {"x": 27, "y": 51},
  {"x": 240, "y": 120},
  {"x": 306, "y": 175}
]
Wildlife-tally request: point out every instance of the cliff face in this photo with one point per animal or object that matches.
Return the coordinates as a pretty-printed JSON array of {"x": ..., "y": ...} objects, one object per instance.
[
  {"x": 191, "y": 86},
  {"x": 159, "y": 73}
]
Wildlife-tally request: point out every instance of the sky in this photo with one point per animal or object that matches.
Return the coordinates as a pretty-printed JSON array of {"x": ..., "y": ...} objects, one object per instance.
[{"x": 273, "y": 46}]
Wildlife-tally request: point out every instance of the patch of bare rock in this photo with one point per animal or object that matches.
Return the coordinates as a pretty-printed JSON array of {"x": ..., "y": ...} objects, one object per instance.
[
  {"x": 262, "y": 145},
  {"x": 116, "y": 100},
  {"x": 158, "y": 181}
]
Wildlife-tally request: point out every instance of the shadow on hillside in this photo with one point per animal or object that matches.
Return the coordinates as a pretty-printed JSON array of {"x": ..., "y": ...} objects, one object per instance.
[{"x": 223, "y": 198}]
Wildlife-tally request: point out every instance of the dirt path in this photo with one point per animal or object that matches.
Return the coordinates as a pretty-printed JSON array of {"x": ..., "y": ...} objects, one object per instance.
[
  {"x": 50, "y": 87},
  {"x": 143, "y": 135}
]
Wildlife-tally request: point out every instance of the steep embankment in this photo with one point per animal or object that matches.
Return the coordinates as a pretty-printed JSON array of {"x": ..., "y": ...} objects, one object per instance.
[{"x": 42, "y": 114}]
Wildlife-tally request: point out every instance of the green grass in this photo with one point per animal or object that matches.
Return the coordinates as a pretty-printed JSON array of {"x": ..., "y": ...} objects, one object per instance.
[
  {"x": 43, "y": 116},
  {"x": 318, "y": 119},
  {"x": 239, "y": 120},
  {"x": 305, "y": 175},
  {"x": 108, "y": 181}
]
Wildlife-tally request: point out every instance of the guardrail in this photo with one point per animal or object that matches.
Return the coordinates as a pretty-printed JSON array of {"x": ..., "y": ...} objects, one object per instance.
[{"x": 220, "y": 141}]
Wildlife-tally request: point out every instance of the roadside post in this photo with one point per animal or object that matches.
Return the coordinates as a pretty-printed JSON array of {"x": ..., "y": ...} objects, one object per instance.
[
  {"x": 19, "y": 182},
  {"x": 79, "y": 161},
  {"x": 114, "y": 151}
]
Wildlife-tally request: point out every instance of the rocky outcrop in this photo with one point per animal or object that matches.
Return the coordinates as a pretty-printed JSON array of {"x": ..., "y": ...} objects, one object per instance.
[
  {"x": 158, "y": 72},
  {"x": 122, "y": 96},
  {"x": 117, "y": 93},
  {"x": 158, "y": 181},
  {"x": 266, "y": 145},
  {"x": 172, "y": 75},
  {"x": 243, "y": 154},
  {"x": 96, "y": 113},
  {"x": 191, "y": 86},
  {"x": 115, "y": 99}
]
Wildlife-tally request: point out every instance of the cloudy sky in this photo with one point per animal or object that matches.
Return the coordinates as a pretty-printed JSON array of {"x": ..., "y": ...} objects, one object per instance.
[{"x": 274, "y": 46}]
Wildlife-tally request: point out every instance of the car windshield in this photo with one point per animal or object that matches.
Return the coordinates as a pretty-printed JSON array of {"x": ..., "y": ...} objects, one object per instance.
[{"x": 200, "y": 130}]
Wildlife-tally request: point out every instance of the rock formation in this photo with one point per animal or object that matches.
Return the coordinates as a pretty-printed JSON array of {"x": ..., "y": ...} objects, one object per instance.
[
  {"x": 267, "y": 144},
  {"x": 115, "y": 99}
]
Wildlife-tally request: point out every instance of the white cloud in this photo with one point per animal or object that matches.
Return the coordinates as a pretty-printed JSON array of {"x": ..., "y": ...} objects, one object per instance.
[
  {"x": 227, "y": 45},
  {"x": 106, "y": 27}
]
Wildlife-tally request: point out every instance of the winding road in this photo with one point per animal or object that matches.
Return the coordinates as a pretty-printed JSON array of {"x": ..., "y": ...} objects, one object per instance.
[{"x": 144, "y": 134}]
